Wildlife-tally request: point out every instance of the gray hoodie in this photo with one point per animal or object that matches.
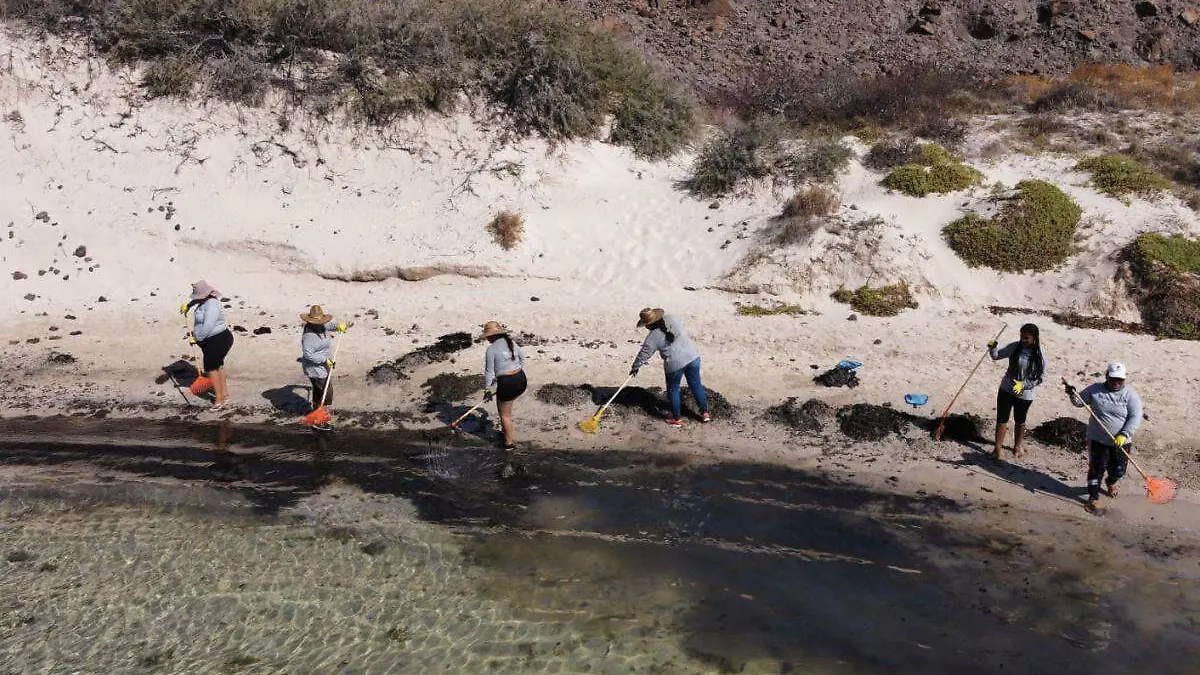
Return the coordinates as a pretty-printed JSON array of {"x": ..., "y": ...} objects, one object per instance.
[
  {"x": 1024, "y": 371},
  {"x": 1120, "y": 411},
  {"x": 315, "y": 351},
  {"x": 676, "y": 354},
  {"x": 499, "y": 360},
  {"x": 209, "y": 319}
]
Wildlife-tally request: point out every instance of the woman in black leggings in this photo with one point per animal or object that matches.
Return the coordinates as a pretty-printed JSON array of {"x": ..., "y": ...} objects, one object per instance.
[{"x": 1026, "y": 370}]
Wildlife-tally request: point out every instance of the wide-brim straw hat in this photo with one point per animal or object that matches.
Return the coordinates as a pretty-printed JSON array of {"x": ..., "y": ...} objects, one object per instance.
[
  {"x": 648, "y": 316},
  {"x": 201, "y": 290},
  {"x": 316, "y": 315},
  {"x": 493, "y": 328}
]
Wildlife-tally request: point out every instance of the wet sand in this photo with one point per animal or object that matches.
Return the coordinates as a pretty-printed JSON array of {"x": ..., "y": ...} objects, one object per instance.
[{"x": 198, "y": 548}]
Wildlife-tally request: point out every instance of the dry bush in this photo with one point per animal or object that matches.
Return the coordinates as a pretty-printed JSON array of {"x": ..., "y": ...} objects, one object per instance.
[
  {"x": 1043, "y": 124},
  {"x": 541, "y": 71},
  {"x": 1109, "y": 86},
  {"x": 892, "y": 152},
  {"x": 507, "y": 229},
  {"x": 812, "y": 202}
]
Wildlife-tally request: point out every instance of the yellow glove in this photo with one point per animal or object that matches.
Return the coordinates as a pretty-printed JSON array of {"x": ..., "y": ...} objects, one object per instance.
[
  {"x": 992, "y": 344},
  {"x": 1121, "y": 440},
  {"x": 1018, "y": 387},
  {"x": 329, "y": 365},
  {"x": 341, "y": 327},
  {"x": 183, "y": 308},
  {"x": 191, "y": 340}
]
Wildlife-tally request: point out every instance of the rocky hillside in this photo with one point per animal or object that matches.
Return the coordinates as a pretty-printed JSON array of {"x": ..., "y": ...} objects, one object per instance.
[{"x": 716, "y": 42}]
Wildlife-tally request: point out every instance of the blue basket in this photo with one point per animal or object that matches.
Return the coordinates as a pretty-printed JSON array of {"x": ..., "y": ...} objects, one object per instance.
[
  {"x": 847, "y": 364},
  {"x": 916, "y": 400}
]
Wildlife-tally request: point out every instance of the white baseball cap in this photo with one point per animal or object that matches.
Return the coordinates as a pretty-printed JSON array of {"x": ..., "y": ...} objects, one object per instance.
[{"x": 1116, "y": 370}]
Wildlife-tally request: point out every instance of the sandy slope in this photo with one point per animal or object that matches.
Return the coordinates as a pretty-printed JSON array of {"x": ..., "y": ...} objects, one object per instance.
[{"x": 162, "y": 193}]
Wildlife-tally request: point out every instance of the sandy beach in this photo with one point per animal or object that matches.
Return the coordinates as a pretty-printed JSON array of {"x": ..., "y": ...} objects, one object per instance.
[{"x": 112, "y": 205}]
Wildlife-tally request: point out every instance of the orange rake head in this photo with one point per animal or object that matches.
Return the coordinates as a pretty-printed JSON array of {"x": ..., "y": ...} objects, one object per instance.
[
  {"x": 318, "y": 418},
  {"x": 1159, "y": 490},
  {"x": 200, "y": 386}
]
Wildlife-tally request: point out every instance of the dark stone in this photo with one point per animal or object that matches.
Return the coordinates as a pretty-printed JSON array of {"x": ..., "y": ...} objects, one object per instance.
[
  {"x": 239, "y": 329},
  {"x": 1146, "y": 9},
  {"x": 262, "y": 330},
  {"x": 80, "y": 251},
  {"x": 374, "y": 548},
  {"x": 102, "y": 299},
  {"x": 19, "y": 556},
  {"x": 534, "y": 298},
  {"x": 17, "y": 276},
  {"x": 61, "y": 358}
]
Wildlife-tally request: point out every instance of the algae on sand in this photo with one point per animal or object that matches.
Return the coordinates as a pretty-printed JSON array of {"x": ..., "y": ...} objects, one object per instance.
[{"x": 867, "y": 422}]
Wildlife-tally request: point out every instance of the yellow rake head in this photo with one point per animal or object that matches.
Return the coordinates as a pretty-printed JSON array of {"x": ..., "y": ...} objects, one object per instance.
[{"x": 591, "y": 425}]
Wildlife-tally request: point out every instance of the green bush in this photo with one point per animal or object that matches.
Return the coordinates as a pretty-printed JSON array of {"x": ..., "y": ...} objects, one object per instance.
[
  {"x": 819, "y": 159},
  {"x": 172, "y": 76},
  {"x": 1118, "y": 175},
  {"x": 733, "y": 159},
  {"x": 935, "y": 171},
  {"x": 1033, "y": 230},
  {"x": 1167, "y": 272},
  {"x": 877, "y": 301},
  {"x": 781, "y": 309},
  {"x": 541, "y": 70}
]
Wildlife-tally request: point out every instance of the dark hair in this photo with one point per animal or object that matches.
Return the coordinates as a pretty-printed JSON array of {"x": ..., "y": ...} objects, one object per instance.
[
  {"x": 1037, "y": 363},
  {"x": 314, "y": 327},
  {"x": 662, "y": 325},
  {"x": 512, "y": 348}
]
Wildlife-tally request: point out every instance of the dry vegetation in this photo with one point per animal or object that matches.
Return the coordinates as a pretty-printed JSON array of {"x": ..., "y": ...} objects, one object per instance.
[
  {"x": 765, "y": 148},
  {"x": 1167, "y": 272},
  {"x": 802, "y": 214},
  {"x": 541, "y": 70},
  {"x": 507, "y": 229},
  {"x": 877, "y": 301}
]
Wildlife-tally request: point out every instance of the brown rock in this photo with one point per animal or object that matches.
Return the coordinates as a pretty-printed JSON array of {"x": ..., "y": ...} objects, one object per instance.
[
  {"x": 923, "y": 27},
  {"x": 1146, "y": 8},
  {"x": 1189, "y": 17},
  {"x": 17, "y": 276},
  {"x": 1086, "y": 35}
]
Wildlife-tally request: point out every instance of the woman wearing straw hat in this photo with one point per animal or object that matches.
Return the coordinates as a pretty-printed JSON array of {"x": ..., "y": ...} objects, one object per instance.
[
  {"x": 315, "y": 344},
  {"x": 503, "y": 375},
  {"x": 680, "y": 359},
  {"x": 212, "y": 334}
]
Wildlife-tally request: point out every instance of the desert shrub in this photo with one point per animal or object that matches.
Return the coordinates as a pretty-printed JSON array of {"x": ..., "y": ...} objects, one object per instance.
[
  {"x": 541, "y": 70},
  {"x": 944, "y": 130},
  {"x": 1117, "y": 175},
  {"x": 1167, "y": 272},
  {"x": 1033, "y": 230},
  {"x": 819, "y": 159},
  {"x": 735, "y": 158},
  {"x": 778, "y": 309},
  {"x": 1036, "y": 126},
  {"x": 1178, "y": 159},
  {"x": 507, "y": 229},
  {"x": 935, "y": 172},
  {"x": 877, "y": 301},
  {"x": 892, "y": 152},
  {"x": 172, "y": 76},
  {"x": 1072, "y": 96},
  {"x": 812, "y": 202}
]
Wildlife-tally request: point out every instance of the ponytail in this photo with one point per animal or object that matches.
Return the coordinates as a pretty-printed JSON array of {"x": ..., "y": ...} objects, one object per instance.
[{"x": 512, "y": 349}]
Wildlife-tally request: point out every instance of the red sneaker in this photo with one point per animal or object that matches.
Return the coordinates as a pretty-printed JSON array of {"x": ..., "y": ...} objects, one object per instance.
[
  {"x": 675, "y": 422},
  {"x": 705, "y": 418}
]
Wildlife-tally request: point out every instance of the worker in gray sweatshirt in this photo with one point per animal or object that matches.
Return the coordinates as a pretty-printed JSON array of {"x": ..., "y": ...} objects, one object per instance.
[
  {"x": 1116, "y": 414},
  {"x": 316, "y": 357},
  {"x": 211, "y": 333},
  {"x": 680, "y": 359},
  {"x": 503, "y": 376}
]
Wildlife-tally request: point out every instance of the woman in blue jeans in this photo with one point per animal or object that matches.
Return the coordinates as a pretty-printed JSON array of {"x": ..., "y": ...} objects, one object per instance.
[{"x": 680, "y": 359}]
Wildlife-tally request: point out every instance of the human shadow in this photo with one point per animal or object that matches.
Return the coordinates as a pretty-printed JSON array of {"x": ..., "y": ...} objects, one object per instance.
[
  {"x": 478, "y": 424},
  {"x": 286, "y": 400},
  {"x": 182, "y": 374},
  {"x": 1030, "y": 479}
]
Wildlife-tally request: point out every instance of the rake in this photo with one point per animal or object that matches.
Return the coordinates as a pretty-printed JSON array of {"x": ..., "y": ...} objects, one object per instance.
[
  {"x": 455, "y": 423},
  {"x": 320, "y": 416},
  {"x": 941, "y": 427},
  {"x": 1158, "y": 490},
  {"x": 592, "y": 424}
]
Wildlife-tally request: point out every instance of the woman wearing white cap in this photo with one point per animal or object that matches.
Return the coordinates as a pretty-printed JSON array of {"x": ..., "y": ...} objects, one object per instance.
[
  {"x": 1116, "y": 415},
  {"x": 212, "y": 334},
  {"x": 503, "y": 375}
]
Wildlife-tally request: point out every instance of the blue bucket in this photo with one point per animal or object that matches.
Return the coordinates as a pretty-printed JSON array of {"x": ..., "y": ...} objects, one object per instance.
[
  {"x": 849, "y": 365},
  {"x": 916, "y": 400}
]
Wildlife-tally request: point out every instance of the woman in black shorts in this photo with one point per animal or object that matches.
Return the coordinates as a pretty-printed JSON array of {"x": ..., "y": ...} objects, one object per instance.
[
  {"x": 213, "y": 335},
  {"x": 1026, "y": 370},
  {"x": 503, "y": 375}
]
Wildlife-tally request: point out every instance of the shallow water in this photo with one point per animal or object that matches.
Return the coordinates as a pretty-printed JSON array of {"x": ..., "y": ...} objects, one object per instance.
[{"x": 140, "y": 547}]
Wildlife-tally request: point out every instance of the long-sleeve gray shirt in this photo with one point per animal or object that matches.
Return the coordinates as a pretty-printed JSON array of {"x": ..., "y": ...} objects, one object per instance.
[
  {"x": 1024, "y": 369},
  {"x": 675, "y": 354},
  {"x": 499, "y": 360},
  {"x": 315, "y": 348},
  {"x": 209, "y": 319},
  {"x": 1119, "y": 411}
]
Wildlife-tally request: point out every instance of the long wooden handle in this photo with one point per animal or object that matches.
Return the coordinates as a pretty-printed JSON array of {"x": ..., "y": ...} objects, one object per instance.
[
  {"x": 329, "y": 379},
  {"x": 464, "y": 415},
  {"x": 946, "y": 412}
]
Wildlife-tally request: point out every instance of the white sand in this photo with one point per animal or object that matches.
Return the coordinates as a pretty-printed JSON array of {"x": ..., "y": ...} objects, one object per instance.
[{"x": 264, "y": 213}]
